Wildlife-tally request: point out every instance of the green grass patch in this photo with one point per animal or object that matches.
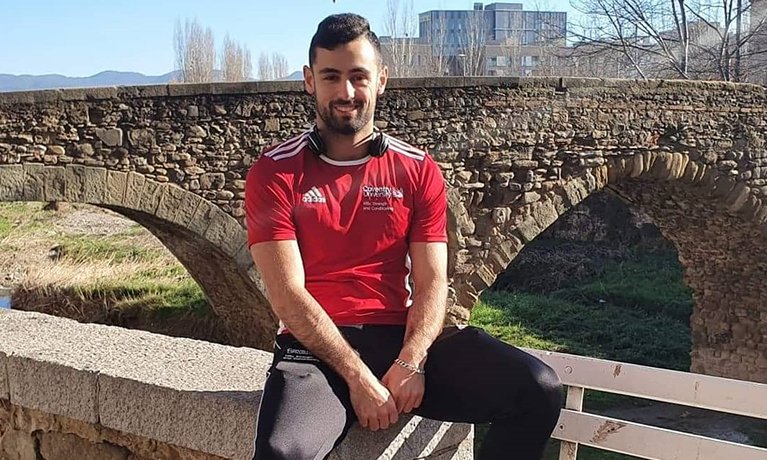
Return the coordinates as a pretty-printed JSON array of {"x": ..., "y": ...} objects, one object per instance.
[
  {"x": 111, "y": 248},
  {"x": 133, "y": 230},
  {"x": 22, "y": 216},
  {"x": 634, "y": 311},
  {"x": 5, "y": 227},
  {"x": 585, "y": 453},
  {"x": 650, "y": 282},
  {"x": 603, "y": 330},
  {"x": 162, "y": 298}
]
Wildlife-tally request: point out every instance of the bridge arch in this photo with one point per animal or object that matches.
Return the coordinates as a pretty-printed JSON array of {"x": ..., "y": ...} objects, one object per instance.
[
  {"x": 717, "y": 223},
  {"x": 208, "y": 242}
]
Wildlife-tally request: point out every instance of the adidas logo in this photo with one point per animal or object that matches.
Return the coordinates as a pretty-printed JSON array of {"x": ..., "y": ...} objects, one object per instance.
[{"x": 314, "y": 196}]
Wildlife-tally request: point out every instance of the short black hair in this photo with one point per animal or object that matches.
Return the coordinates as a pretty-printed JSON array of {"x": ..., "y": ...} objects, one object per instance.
[{"x": 340, "y": 29}]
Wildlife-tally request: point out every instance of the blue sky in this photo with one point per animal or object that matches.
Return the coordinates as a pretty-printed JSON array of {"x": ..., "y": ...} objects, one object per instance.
[{"x": 82, "y": 37}]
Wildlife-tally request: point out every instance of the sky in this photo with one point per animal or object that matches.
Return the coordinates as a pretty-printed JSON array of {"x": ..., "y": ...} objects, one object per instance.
[{"x": 79, "y": 38}]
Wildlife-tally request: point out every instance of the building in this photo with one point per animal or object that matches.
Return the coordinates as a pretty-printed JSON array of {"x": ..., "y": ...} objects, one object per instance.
[
  {"x": 495, "y": 23},
  {"x": 496, "y": 39}
]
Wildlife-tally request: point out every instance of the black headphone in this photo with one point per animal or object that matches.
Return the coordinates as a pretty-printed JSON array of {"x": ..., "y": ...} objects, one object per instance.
[{"x": 379, "y": 143}]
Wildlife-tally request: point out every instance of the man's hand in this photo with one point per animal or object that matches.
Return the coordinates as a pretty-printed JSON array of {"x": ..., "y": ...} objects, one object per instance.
[
  {"x": 373, "y": 403},
  {"x": 406, "y": 386}
]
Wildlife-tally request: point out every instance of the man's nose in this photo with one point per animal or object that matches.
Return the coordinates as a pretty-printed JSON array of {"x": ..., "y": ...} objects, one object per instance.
[{"x": 346, "y": 91}]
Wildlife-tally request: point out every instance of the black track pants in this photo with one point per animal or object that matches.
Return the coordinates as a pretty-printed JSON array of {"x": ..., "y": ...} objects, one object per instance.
[{"x": 470, "y": 377}]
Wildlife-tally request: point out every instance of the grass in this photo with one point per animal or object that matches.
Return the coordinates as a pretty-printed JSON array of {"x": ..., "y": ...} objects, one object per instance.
[
  {"x": 114, "y": 248},
  {"x": 5, "y": 227},
  {"x": 128, "y": 270},
  {"x": 635, "y": 310}
]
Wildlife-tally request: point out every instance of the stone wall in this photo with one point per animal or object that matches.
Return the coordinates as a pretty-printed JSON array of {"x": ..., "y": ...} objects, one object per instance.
[
  {"x": 91, "y": 392},
  {"x": 516, "y": 154}
]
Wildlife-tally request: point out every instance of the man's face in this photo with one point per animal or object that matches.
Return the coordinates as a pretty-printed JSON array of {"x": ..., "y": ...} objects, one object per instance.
[{"x": 345, "y": 83}]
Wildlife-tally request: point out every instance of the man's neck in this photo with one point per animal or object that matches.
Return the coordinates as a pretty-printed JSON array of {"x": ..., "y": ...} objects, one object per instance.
[{"x": 340, "y": 147}]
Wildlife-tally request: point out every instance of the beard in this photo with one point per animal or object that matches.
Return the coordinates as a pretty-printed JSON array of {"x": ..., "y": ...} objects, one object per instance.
[{"x": 343, "y": 124}]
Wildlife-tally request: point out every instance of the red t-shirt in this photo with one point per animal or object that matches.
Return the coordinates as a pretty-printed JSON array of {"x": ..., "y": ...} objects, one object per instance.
[{"x": 353, "y": 221}]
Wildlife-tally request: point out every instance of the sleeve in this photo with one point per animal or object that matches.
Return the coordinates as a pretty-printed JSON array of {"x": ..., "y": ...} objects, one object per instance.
[
  {"x": 268, "y": 203},
  {"x": 429, "y": 222}
]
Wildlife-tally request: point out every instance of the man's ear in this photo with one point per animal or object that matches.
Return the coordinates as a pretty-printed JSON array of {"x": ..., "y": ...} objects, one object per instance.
[
  {"x": 383, "y": 77},
  {"x": 308, "y": 80}
]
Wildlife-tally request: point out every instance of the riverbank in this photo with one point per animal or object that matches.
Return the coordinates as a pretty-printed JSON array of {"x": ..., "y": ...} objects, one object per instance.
[{"x": 93, "y": 265}]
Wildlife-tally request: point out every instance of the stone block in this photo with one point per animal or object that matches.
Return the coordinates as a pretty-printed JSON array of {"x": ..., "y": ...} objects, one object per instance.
[
  {"x": 95, "y": 185},
  {"x": 170, "y": 200},
  {"x": 225, "y": 233},
  {"x": 133, "y": 188},
  {"x": 203, "y": 217},
  {"x": 55, "y": 184},
  {"x": 737, "y": 197},
  {"x": 575, "y": 191},
  {"x": 74, "y": 184},
  {"x": 637, "y": 166},
  {"x": 186, "y": 208},
  {"x": 112, "y": 137},
  {"x": 544, "y": 213},
  {"x": 143, "y": 91},
  {"x": 31, "y": 97},
  {"x": 116, "y": 184},
  {"x": 419, "y": 83},
  {"x": 149, "y": 199},
  {"x": 62, "y": 446},
  {"x": 217, "y": 422},
  {"x": 11, "y": 182},
  {"x": 691, "y": 172},
  {"x": 53, "y": 384},
  {"x": 34, "y": 182},
  {"x": 528, "y": 229},
  {"x": 661, "y": 168}
]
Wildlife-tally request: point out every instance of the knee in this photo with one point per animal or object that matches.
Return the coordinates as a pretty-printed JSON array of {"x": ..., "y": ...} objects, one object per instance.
[
  {"x": 549, "y": 388},
  {"x": 282, "y": 448}
]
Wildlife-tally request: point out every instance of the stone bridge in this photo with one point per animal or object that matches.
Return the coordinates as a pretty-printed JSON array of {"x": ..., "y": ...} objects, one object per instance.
[{"x": 516, "y": 154}]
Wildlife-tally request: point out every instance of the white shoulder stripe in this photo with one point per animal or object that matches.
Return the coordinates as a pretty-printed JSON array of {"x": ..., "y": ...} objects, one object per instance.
[
  {"x": 300, "y": 146},
  {"x": 287, "y": 145},
  {"x": 405, "y": 149}
]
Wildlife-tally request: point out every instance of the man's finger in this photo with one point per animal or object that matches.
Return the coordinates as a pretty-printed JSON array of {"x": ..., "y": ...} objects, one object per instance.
[
  {"x": 400, "y": 401},
  {"x": 373, "y": 425},
  {"x": 418, "y": 401}
]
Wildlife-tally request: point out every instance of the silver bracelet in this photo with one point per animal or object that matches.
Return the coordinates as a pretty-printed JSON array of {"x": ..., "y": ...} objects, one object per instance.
[{"x": 410, "y": 367}]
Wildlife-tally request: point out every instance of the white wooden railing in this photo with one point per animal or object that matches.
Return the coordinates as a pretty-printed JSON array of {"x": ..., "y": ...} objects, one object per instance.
[{"x": 576, "y": 427}]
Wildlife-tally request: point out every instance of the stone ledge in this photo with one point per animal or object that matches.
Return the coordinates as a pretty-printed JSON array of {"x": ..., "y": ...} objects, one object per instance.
[
  {"x": 188, "y": 393},
  {"x": 584, "y": 85}
]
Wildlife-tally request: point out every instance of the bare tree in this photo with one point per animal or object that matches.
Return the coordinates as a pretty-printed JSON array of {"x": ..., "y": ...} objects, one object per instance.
[
  {"x": 280, "y": 66},
  {"x": 400, "y": 26},
  {"x": 265, "y": 69},
  {"x": 473, "y": 41},
  {"x": 437, "y": 56},
  {"x": 195, "y": 52},
  {"x": 674, "y": 38},
  {"x": 235, "y": 61}
]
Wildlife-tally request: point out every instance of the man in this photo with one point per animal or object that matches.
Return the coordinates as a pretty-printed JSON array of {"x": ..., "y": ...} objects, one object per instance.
[{"x": 339, "y": 219}]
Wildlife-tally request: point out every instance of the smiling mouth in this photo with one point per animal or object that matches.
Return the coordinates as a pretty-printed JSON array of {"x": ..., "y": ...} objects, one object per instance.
[{"x": 345, "y": 108}]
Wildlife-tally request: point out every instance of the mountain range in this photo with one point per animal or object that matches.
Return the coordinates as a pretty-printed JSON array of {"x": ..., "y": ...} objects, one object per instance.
[{"x": 107, "y": 78}]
